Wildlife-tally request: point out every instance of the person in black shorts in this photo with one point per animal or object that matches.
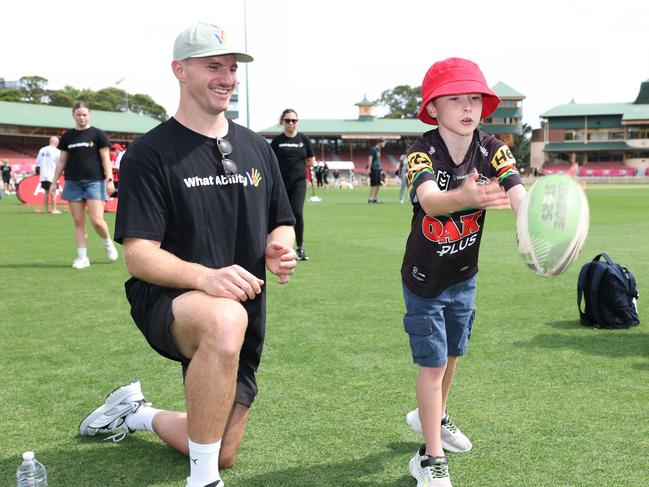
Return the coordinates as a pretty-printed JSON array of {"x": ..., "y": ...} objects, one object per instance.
[
  {"x": 294, "y": 153},
  {"x": 84, "y": 158},
  {"x": 46, "y": 159},
  {"x": 6, "y": 175},
  {"x": 374, "y": 164},
  {"x": 202, "y": 213}
]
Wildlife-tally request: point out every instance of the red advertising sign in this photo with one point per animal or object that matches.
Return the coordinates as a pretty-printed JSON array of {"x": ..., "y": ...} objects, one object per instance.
[{"x": 29, "y": 192}]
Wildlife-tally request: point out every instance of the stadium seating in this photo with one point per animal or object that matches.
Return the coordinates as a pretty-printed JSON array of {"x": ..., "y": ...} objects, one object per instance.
[
  {"x": 20, "y": 159},
  {"x": 590, "y": 169},
  {"x": 555, "y": 167},
  {"x": 360, "y": 162},
  {"x": 389, "y": 164},
  {"x": 606, "y": 169},
  {"x": 7, "y": 153},
  {"x": 328, "y": 155}
]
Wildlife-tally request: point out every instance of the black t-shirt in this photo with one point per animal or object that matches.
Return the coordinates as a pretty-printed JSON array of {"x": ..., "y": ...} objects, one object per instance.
[
  {"x": 291, "y": 154},
  {"x": 82, "y": 146},
  {"x": 173, "y": 190},
  {"x": 443, "y": 250}
]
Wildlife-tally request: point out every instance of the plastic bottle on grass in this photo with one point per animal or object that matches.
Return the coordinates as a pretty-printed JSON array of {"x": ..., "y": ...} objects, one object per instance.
[{"x": 31, "y": 472}]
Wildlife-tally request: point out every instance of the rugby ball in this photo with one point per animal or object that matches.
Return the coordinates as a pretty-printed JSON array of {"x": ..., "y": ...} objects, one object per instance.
[{"x": 552, "y": 224}]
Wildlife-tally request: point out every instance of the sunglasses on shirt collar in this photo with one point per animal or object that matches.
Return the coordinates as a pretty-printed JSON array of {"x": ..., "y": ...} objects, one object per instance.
[{"x": 225, "y": 149}]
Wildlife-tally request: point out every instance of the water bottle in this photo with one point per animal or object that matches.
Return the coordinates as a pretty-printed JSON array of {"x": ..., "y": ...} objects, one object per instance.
[{"x": 31, "y": 472}]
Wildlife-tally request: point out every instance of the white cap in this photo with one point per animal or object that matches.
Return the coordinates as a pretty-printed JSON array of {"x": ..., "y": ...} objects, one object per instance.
[
  {"x": 202, "y": 40},
  {"x": 28, "y": 455}
]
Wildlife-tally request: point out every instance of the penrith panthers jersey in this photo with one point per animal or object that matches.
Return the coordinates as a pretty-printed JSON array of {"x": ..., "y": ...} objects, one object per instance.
[{"x": 443, "y": 249}]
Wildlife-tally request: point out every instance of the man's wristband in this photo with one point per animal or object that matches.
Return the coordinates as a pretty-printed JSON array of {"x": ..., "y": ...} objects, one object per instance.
[{"x": 109, "y": 180}]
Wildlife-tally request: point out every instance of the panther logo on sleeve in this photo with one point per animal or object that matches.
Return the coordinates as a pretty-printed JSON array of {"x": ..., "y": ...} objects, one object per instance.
[
  {"x": 503, "y": 158},
  {"x": 504, "y": 163},
  {"x": 418, "y": 163}
]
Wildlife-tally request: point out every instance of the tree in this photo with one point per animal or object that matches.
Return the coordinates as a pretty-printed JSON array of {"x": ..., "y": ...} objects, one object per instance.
[
  {"x": 115, "y": 98},
  {"x": 144, "y": 105},
  {"x": 521, "y": 149},
  {"x": 11, "y": 94},
  {"x": 63, "y": 98},
  {"x": 34, "y": 89},
  {"x": 88, "y": 96},
  {"x": 403, "y": 101}
]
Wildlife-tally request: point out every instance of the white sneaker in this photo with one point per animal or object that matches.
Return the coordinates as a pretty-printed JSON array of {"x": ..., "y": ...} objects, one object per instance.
[
  {"x": 111, "y": 415},
  {"x": 111, "y": 252},
  {"x": 413, "y": 420},
  {"x": 429, "y": 471},
  {"x": 81, "y": 262},
  {"x": 453, "y": 439}
]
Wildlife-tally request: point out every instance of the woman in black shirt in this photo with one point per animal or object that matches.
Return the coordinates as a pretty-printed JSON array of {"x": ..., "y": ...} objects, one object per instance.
[
  {"x": 88, "y": 173},
  {"x": 294, "y": 153}
]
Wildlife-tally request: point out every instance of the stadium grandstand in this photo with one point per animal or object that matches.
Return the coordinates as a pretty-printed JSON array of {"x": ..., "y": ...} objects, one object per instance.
[
  {"x": 25, "y": 128},
  {"x": 607, "y": 140},
  {"x": 351, "y": 139}
]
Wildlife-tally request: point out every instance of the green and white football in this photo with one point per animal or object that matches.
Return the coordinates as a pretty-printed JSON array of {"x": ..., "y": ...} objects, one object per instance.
[{"x": 552, "y": 224}]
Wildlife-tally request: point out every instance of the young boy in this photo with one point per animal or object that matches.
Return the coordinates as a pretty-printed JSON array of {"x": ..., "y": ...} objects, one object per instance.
[{"x": 454, "y": 173}]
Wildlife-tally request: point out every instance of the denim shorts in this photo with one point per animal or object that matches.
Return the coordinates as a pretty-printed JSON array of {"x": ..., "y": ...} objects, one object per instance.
[
  {"x": 84, "y": 189},
  {"x": 440, "y": 326}
]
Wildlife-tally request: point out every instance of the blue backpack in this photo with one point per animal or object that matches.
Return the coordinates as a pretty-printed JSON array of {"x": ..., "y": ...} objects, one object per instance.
[{"x": 610, "y": 293}]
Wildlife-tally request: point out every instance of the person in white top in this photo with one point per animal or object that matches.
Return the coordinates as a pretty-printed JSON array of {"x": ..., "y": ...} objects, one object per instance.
[{"x": 47, "y": 158}]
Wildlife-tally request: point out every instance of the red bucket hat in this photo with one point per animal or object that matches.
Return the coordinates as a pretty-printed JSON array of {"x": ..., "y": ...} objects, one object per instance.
[{"x": 455, "y": 76}]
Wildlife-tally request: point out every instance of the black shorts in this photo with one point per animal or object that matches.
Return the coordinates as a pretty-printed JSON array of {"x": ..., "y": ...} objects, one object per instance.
[
  {"x": 46, "y": 185},
  {"x": 151, "y": 309},
  {"x": 375, "y": 177}
]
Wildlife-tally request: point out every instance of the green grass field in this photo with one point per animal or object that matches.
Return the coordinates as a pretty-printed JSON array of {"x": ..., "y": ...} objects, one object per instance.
[{"x": 545, "y": 401}]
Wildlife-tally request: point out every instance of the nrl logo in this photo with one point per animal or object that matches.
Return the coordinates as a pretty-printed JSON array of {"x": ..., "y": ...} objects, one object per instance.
[{"x": 443, "y": 178}]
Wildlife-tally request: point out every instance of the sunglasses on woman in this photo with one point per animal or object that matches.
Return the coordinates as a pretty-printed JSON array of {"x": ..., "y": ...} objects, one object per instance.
[
  {"x": 290, "y": 120},
  {"x": 225, "y": 149}
]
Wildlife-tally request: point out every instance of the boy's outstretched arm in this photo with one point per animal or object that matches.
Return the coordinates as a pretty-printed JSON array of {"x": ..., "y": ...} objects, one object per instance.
[
  {"x": 469, "y": 195},
  {"x": 516, "y": 195}
]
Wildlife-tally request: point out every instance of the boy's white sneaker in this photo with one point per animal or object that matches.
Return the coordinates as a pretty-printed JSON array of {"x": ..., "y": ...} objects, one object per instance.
[
  {"x": 81, "y": 262},
  {"x": 413, "y": 420},
  {"x": 429, "y": 471},
  {"x": 453, "y": 440}
]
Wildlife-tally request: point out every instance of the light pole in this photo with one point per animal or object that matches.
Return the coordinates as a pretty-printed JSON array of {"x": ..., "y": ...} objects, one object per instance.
[
  {"x": 117, "y": 83},
  {"x": 245, "y": 47}
]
